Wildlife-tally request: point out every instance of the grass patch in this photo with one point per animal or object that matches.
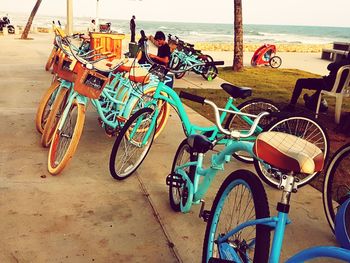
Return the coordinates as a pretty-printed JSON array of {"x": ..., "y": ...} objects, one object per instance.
[{"x": 276, "y": 85}]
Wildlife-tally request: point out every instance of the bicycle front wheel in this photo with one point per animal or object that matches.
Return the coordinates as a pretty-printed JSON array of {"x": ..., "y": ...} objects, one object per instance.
[
  {"x": 65, "y": 140},
  {"x": 240, "y": 198},
  {"x": 131, "y": 145},
  {"x": 236, "y": 122},
  {"x": 44, "y": 108},
  {"x": 54, "y": 116},
  {"x": 50, "y": 59},
  {"x": 336, "y": 187},
  {"x": 303, "y": 127}
]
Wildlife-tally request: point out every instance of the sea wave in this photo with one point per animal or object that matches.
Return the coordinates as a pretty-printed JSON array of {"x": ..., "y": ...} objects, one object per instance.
[{"x": 196, "y": 32}]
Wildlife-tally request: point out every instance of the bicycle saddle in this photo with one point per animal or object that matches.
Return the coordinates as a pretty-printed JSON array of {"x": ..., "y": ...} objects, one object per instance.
[
  {"x": 236, "y": 92},
  {"x": 288, "y": 152},
  {"x": 199, "y": 143},
  {"x": 139, "y": 75}
]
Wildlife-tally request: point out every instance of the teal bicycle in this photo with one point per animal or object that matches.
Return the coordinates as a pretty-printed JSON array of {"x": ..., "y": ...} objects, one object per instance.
[
  {"x": 135, "y": 139},
  {"x": 239, "y": 223},
  {"x": 185, "y": 56},
  {"x": 114, "y": 95}
]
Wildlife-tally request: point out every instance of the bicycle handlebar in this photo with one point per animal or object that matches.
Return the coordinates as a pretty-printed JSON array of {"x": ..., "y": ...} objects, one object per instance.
[
  {"x": 233, "y": 133},
  {"x": 191, "y": 97},
  {"x": 89, "y": 64}
]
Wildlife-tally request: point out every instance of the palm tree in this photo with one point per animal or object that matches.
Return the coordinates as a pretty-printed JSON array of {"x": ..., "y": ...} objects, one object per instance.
[
  {"x": 30, "y": 20},
  {"x": 238, "y": 37}
]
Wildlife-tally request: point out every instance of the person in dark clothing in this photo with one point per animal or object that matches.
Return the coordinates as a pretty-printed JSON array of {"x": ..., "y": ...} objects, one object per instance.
[
  {"x": 163, "y": 54},
  {"x": 318, "y": 84},
  {"x": 132, "y": 28}
]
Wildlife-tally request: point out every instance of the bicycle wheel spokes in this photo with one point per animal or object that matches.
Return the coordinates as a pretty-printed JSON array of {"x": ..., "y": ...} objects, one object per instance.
[
  {"x": 45, "y": 106},
  {"x": 302, "y": 127},
  {"x": 240, "y": 198},
  {"x": 336, "y": 187},
  {"x": 236, "y": 122},
  {"x": 132, "y": 144},
  {"x": 65, "y": 140}
]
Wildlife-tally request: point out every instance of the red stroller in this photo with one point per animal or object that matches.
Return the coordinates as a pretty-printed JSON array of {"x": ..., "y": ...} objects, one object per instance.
[{"x": 265, "y": 55}]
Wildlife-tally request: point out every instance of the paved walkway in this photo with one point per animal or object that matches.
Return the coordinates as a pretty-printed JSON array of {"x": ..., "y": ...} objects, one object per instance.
[{"x": 83, "y": 215}]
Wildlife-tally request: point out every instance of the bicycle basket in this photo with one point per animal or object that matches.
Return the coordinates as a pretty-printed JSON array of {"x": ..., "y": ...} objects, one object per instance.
[
  {"x": 66, "y": 68},
  {"x": 89, "y": 83}
]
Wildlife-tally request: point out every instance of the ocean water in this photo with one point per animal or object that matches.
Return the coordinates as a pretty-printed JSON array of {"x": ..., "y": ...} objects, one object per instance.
[{"x": 201, "y": 32}]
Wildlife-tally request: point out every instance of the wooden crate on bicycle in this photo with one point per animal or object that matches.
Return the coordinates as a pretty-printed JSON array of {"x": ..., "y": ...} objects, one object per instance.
[
  {"x": 89, "y": 83},
  {"x": 67, "y": 68}
]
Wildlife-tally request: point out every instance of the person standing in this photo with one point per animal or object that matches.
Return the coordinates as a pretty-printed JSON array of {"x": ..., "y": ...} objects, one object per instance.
[
  {"x": 132, "y": 28},
  {"x": 92, "y": 27}
]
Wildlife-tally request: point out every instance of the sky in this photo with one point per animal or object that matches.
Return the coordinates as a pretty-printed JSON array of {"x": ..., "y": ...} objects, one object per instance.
[{"x": 268, "y": 12}]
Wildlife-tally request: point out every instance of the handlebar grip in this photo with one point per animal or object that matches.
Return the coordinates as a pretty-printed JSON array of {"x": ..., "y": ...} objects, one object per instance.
[
  {"x": 191, "y": 97},
  {"x": 215, "y": 63},
  {"x": 59, "y": 23}
]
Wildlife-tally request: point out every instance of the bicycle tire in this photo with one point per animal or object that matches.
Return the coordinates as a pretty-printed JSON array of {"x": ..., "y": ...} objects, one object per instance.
[
  {"x": 301, "y": 126},
  {"x": 336, "y": 175},
  {"x": 176, "y": 194},
  {"x": 275, "y": 62},
  {"x": 164, "y": 111},
  {"x": 50, "y": 60},
  {"x": 45, "y": 106},
  {"x": 245, "y": 182},
  {"x": 54, "y": 117},
  {"x": 253, "y": 106},
  {"x": 210, "y": 73},
  {"x": 122, "y": 143},
  {"x": 55, "y": 166}
]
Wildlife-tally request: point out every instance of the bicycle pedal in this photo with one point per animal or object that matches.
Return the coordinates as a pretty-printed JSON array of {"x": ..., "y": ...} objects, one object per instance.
[
  {"x": 204, "y": 214},
  {"x": 219, "y": 260},
  {"x": 175, "y": 182}
]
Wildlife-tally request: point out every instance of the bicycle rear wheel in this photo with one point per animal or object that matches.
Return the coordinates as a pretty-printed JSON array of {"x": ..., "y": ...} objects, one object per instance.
[
  {"x": 236, "y": 122},
  {"x": 128, "y": 152},
  {"x": 178, "y": 191},
  {"x": 210, "y": 72},
  {"x": 336, "y": 187},
  {"x": 240, "y": 198},
  {"x": 54, "y": 116},
  {"x": 65, "y": 140},
  {"x": 301, "y": 126},
  {"x": 45, "y": 103}
]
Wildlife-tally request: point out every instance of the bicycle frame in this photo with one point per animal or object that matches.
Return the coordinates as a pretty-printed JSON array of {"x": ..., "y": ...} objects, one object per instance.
[
  {"x": 197, "y": 190},
  {"x": 163, "y": 92},
  {"x": 279, "y": 223}
]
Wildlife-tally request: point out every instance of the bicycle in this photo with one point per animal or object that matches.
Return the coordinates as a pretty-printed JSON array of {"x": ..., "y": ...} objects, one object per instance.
[
  {"x": 336, "y": 186},
  {"x": 184, "y": 56},
  {"x": 130, "y": 152},
  {"x": 56, "y": 59},
  {"x": 114, "y": 107},
  {"x": 239, "y": 222}
]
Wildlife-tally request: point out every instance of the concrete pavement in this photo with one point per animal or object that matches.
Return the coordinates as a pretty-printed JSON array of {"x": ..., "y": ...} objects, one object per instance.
[{"x": 83, "y": 215}]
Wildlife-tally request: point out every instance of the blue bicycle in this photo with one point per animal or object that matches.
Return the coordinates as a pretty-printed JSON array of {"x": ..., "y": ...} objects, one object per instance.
[{"x": 239, "y": 224}]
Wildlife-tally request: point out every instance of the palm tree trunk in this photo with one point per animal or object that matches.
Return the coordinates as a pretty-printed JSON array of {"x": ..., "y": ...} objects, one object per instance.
[
  {"x": 30, "y": 20},
  {"x": 238, "y": 37}
]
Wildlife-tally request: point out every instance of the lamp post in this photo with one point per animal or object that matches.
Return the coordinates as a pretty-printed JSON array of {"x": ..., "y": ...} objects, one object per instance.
[
  {"x": 97, "y": 16},
  {"x": 69, "y": 26}
]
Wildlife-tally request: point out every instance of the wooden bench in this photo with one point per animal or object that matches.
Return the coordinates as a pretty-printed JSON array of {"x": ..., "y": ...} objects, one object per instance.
[{"x": 339, "y": 49}]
